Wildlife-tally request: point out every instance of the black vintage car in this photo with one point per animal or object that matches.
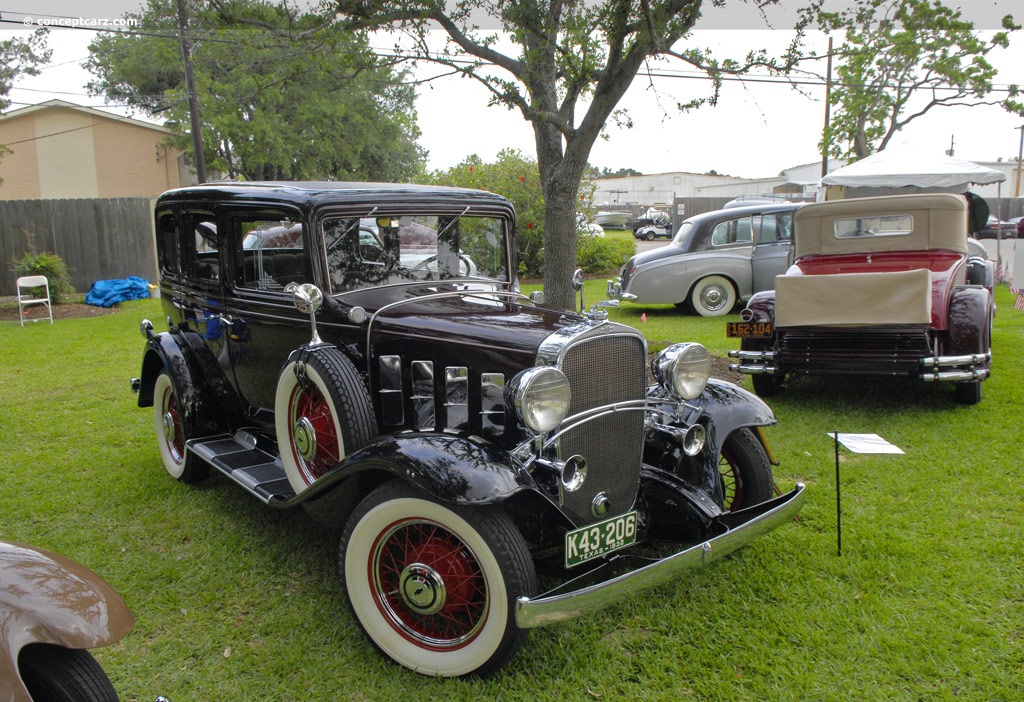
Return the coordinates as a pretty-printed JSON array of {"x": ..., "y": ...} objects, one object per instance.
[{"x": 363, "y": 351}]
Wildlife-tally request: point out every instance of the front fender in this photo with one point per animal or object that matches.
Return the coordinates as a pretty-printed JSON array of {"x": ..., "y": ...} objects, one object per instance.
[
  {"x": 46, "y": 598},
  {"x": 728, "y": 407},
  {"x": 452, "y": 469}
]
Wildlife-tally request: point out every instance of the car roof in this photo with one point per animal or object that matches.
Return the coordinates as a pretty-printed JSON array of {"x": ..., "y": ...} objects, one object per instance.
[
  {"x": 939, "y": 222},
  {"x": 312, "y": 193},
  {"x": 745, "y": 211}
]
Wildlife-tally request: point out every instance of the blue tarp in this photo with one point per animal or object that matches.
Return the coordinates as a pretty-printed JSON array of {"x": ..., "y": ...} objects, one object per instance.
[{"x": 107, "y": 293}]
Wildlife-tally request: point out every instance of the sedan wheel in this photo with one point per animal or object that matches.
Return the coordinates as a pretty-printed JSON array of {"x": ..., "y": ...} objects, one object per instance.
[
  {"x": 745, "y": 471},
  {"x": 713, "y": 296},
  {"x": 434, "y": 586},
  {"x": 173, "y": 429}
]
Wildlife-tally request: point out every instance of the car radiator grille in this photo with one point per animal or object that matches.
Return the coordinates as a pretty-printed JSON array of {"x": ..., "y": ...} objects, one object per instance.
[
  {"x": 604, "y": 371},
  {"x": 854, "y": 351}
]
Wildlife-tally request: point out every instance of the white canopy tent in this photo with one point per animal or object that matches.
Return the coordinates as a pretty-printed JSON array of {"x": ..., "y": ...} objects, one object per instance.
[{"x": 893, "y": 171}]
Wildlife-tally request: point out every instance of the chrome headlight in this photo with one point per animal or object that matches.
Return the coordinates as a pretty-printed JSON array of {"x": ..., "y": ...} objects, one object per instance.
[
  {"x": 683, "y": 369},
  {"x": 541, "y": 398}
]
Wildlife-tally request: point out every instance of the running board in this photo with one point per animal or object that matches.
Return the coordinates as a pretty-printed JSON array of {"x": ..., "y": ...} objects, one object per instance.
[{"x": 259, "y": 472}]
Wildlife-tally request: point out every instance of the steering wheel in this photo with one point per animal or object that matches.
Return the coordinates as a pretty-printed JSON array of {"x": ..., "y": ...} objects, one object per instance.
[{"x": 422, "y": 270}]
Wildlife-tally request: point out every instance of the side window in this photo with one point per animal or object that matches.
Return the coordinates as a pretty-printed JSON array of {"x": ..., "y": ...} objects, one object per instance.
[
  {"x": 167, "y": 243},
  {"x": 201, "y": 259},
  {"x": 771, "y": 228},
  {"x": 269, "y": 251},
  {"x": 735, "y": 231}
]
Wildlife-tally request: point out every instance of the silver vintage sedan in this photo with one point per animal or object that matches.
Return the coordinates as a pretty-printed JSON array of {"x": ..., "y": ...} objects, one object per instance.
[{"x": 714, "y": 260}]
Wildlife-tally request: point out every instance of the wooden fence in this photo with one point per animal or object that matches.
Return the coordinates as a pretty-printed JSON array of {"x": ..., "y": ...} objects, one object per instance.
[{"x": 98, "y": 239}]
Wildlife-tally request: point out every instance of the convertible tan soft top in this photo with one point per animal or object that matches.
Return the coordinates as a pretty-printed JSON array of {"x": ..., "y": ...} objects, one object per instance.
[{"x": 939, "y": 222}]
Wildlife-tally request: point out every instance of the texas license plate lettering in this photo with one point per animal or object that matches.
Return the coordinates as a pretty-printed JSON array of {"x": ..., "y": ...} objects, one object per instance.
[{"x": 589, "y": 542}]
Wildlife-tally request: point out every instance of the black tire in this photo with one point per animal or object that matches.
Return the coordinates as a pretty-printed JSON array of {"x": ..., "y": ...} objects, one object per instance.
[
  {"x": 745, "y": 471},
  {"x": 322, "y": 413},
  {"x": 57, "y": 674},
  {"x": 173, "y": 428},
  {"x": 649, "y": 236},
  {"x": 968, "y": 393},
  {"x": 434, "y": 586},
  {"x": 713, "y": 296},
  {"x": 767, "y": 385}
]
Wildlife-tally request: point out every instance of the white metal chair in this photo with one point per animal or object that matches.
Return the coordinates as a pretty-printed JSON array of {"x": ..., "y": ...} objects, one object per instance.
[{"x": 28, "y": 284}]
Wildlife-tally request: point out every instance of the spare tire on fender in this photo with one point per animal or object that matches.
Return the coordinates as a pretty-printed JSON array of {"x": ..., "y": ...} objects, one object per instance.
[{"x": 322, "y": 413}]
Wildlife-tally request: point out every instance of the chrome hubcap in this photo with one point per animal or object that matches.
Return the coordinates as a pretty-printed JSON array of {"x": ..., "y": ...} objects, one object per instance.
[
  {"x": 712, "y": 298},
  {"x": 169, "y": 430},
  {"x": 423, "y": 589},
  {"x": 305, "y": 439}
]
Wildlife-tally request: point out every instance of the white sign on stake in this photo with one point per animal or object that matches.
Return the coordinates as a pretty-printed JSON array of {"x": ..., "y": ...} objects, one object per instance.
[
  {"x": 858, "y": 443},
  {"x": 866, "y": 443}
]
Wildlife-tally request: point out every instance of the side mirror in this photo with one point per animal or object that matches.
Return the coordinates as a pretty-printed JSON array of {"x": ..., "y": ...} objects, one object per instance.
[{"x": 307, "y": 298}]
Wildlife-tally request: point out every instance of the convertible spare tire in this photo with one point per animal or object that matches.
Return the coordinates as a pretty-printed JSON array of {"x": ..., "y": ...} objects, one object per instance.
[{"x": 322, "y": 413}]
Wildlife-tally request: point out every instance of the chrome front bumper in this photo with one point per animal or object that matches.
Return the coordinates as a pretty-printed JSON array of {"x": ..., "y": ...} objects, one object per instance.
[{"x": 742, "y": 527}]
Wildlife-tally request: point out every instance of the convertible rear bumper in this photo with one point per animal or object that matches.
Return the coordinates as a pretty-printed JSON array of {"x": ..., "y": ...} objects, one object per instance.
[
  {"x": 967, "y": 367},
  {"x": 572, "y": 599}
]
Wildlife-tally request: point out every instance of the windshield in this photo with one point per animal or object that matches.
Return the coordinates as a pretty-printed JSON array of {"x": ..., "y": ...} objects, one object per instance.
[{"x": 386, "y": 250}]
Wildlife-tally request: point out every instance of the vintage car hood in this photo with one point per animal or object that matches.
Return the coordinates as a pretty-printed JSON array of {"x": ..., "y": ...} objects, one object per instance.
[{"x": 492, "y": 322}]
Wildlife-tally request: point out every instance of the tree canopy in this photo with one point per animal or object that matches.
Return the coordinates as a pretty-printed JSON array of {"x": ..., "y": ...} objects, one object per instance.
[
  {"x": 20, "y": 57},
  {"x": 568, "y": 68},
  {"x": 900, "y": 59},
  {"x": 281, "y": 95}
]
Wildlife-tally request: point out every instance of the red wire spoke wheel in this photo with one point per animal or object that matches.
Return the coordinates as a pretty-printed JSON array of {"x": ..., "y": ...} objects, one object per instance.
[{"x": 434, "y": 585}]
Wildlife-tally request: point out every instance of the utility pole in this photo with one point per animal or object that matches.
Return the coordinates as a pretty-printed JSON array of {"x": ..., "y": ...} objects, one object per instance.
[
  {"x": 1020, "y": 154},
  {"x": 190, "y": 88},
  {"x": 826, "y": 144}
]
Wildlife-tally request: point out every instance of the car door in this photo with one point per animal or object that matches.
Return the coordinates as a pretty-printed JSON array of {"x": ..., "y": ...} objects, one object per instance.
[
  {"x": 263, "y": 325},
  {"x": 773, "y": 235}
]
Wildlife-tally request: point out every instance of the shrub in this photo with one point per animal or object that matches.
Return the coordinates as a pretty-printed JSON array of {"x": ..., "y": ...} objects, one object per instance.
[
  {"x": 53, "y": 267},
  {"x": 598, "y": 255}
]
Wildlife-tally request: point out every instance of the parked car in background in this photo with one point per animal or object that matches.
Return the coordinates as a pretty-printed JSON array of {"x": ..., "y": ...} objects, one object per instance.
[
  {"x": 996, "y": 228},
  {"x": 459, "y": 435},
  {"x": 714, "y": 260},
  {"x": 880, "y": 286},
  {"x": 52, "y": 611},
  {"x": 1018, "y": 224}
]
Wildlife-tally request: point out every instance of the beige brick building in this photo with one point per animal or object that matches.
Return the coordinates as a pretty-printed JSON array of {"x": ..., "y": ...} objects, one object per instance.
[{"x": 62, "y": 150}]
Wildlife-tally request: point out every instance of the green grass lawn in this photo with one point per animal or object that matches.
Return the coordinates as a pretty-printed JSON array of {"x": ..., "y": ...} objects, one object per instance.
[{"x": 235, "y": 601}]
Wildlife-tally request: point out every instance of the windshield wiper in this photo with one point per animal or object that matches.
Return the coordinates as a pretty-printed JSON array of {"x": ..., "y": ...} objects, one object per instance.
[{"x": 355, "y": 223}]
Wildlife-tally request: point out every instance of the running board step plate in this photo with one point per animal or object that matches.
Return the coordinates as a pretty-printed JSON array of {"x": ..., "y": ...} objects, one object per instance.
[{"x": 259, "y": 472}]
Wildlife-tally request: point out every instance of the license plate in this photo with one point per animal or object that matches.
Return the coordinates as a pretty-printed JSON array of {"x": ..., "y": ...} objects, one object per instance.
[
  {"x": 589, "y": 542},
  {"x": 749, "y": 330}
]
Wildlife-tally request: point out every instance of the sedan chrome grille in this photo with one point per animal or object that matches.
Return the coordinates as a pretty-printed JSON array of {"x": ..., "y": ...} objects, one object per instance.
[{"x": 603, "y": 371}]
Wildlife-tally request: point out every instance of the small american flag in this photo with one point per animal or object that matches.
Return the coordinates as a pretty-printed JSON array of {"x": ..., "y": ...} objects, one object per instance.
[{"x": 1018, "y": 304}]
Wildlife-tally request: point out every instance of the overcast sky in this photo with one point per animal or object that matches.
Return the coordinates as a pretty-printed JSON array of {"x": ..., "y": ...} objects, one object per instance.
[{"x": 756, "y": 130}]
